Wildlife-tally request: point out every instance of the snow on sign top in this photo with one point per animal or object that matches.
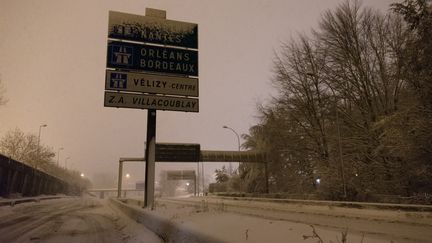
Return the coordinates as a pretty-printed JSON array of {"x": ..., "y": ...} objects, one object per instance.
[{"x": 152, "y": 30}]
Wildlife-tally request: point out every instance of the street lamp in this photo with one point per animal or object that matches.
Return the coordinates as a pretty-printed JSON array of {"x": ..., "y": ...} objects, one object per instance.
[
  {"x": 66, "y": 162},
  {"x": 38, "y": 144},
  {"x": 40, "y": 128},
  {"x": 58, "y": 155},
  {"x": 238, "y": 143}
]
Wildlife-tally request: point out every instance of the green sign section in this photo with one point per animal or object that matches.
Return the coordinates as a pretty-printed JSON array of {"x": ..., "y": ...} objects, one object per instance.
[{"x": 152, "y": 30}]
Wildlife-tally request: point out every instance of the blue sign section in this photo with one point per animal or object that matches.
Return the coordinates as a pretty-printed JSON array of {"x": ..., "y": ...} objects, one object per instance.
[
  {"x": 118, "y": 80},
  {"x": 141, "y": 57},
  {"x": 122, "y": 55}
]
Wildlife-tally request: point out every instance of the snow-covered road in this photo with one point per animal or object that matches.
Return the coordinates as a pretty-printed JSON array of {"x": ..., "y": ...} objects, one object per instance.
[
  {"x": 70, "y": 220},
  {"x": 88, "y": 219}
]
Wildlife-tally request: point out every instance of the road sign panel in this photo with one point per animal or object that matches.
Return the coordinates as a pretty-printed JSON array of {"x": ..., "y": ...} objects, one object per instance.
[
  {"x": 123, "y": 55},
  {"x": 173, "y": 152},
  {"x": 144, "y": 101},
  {"x": 152, "y": 30},
  {"x": 150, "y": 83},
  {"x": 180, "y": 175}
]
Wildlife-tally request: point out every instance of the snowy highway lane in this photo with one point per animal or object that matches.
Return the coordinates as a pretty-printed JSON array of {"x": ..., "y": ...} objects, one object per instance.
[{"x": 70, "y": 220}]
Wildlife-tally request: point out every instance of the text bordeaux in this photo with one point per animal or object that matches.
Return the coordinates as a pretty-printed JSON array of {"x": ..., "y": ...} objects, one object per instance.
[{"x": 150, "y": 58}]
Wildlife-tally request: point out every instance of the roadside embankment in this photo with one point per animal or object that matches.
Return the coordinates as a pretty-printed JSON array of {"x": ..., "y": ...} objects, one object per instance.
[
  {"x": 163, "y": 226},
  {"x": 289, "y": 209},
  {"x": 207, "y": 219}
]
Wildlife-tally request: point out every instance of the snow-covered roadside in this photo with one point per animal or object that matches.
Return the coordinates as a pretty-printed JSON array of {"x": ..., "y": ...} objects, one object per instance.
[
  {"x": 218, "y": 223},
  {"x": 132, "y": 231},
  {"x": 373, "y": 214},
  {"x": 8, "y": 205},
  {"x": 163, "y": 226}
]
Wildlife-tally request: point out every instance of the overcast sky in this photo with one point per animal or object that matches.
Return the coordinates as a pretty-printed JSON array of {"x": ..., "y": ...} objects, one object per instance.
[{"x": 53, "y": 61}]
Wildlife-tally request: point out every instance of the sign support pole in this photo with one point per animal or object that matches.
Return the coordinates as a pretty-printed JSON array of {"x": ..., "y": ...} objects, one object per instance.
[
  {"x": 120, "y": 177},
  {"x": 195, "y": 184},
  {"x": 202, "y": 176},
  {"x": 198, "y": 179},
  {"x": 150, "y": 153}
]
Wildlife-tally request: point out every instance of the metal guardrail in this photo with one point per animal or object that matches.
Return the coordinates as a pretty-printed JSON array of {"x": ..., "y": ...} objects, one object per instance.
[
  {"x": 102, "y": 193},
  {"x": 348, "y": 204}
]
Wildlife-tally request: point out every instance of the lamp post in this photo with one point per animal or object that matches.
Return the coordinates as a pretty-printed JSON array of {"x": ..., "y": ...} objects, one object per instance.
[
  {"x": 40, "y": 128},
  {"x": 38, "y": 144},
  {"x": 238, "y": 144},
  {"x": 66, "y": 162},
  {"x": 58, "y": 155}
]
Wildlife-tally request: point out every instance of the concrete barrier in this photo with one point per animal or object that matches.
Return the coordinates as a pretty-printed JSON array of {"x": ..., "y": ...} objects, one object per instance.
[
  {"x": 168, "y": 230},
  {"x": 13, "y": 202}
]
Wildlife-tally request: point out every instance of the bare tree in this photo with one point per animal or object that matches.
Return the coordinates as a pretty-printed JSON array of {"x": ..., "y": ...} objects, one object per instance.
[
  {"x": 3, "y": 99},
  {"x": 344, "y": 104},
  {"x": 304, "y": 94},
  {"x": 24, "y": 148}
]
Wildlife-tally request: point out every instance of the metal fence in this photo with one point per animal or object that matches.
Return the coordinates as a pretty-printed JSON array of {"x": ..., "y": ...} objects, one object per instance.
[{"x": 19, "y": 179}]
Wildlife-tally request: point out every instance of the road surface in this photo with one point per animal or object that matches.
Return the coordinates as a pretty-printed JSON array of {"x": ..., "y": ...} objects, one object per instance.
[{"x": 81, "y": 220}]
